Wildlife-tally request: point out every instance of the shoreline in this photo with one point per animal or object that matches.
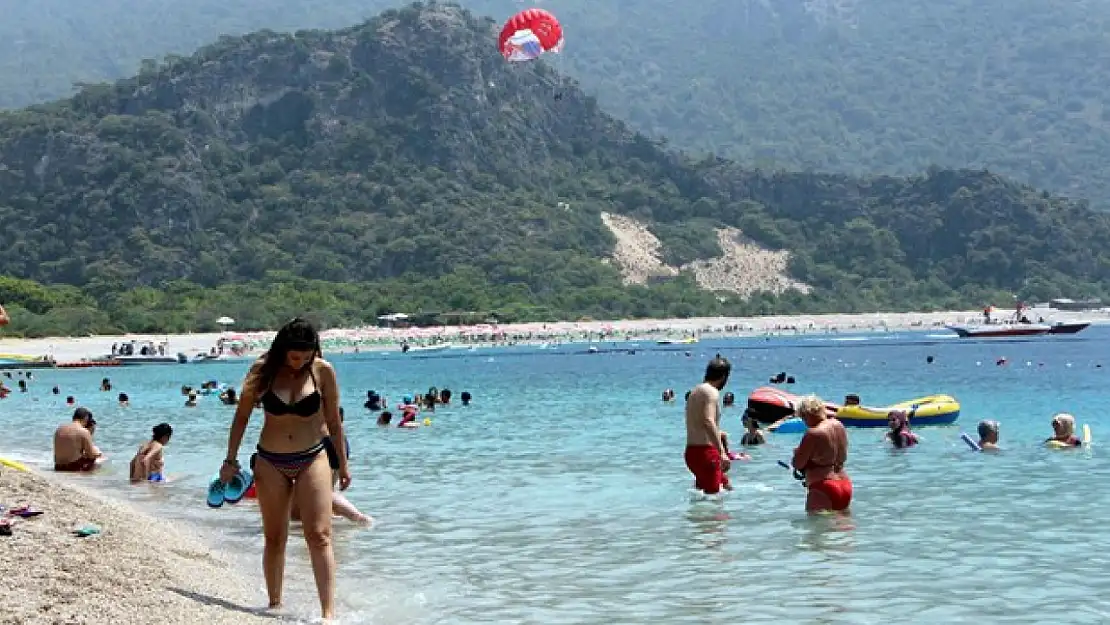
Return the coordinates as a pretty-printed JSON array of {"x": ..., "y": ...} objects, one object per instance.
[
  {"x": 370, "y": 338},
  {"x": 139, "y": 568}
]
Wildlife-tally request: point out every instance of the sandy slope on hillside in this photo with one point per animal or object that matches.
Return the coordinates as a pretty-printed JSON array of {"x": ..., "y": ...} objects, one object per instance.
[{"x": 744, "y": 268}]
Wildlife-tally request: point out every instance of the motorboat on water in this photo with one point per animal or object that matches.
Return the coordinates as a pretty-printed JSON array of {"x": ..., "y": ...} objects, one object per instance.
[
  {"x": 136, "y": 352},
  {"x": 686, "y": 341},
  {"x": 424, "y": 349},
  {"x": 1063, "y": 327},
  {"x": 999, "y": 330},
  {"x": 1004, "y": 330}
]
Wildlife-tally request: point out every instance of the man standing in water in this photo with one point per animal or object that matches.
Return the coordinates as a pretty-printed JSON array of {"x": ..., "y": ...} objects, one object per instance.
[{"x": 706, "y": 456}]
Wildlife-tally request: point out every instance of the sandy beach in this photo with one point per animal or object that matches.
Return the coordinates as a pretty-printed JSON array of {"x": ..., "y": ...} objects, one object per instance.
[
  {"x": 139, "y": 569},
  {"x": 369, "y": 338}
]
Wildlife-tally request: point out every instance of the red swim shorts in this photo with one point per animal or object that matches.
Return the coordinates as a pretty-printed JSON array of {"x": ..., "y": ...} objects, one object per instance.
[
  {"x": 704, "y": 461},
  {"x": 839, "y": 492}
]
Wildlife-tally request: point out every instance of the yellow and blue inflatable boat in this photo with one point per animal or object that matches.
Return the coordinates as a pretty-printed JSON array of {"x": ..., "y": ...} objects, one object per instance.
[{"x": 931, "y": 410}]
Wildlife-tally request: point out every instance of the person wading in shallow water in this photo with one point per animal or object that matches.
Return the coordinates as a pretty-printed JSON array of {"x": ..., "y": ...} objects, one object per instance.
[
  {"x": 300, "y": 397},
  {"x": 706, "y": 454}
]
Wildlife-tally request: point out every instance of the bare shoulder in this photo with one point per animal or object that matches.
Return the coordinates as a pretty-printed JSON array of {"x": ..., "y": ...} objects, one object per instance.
[
  {"x": 324, "y": 369},
  {"x": 704, "y": 391}
]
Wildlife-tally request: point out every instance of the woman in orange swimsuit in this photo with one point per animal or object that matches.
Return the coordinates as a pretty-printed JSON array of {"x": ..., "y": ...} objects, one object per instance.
[
  {"x": 821, "y": 456},
  {"x": 299, "y": 395}
]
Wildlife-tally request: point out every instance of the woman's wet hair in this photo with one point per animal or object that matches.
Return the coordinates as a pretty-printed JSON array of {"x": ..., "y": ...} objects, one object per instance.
[
  {"x": 297, "y": 335},
  {"x": 385, "y": 417},
  {"x": 718, "y": 369},
  {"x": 162, "y": 430}
]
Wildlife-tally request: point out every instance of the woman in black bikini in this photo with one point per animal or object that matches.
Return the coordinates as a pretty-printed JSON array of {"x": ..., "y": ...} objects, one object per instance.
[{"x": 298, "y": 390}]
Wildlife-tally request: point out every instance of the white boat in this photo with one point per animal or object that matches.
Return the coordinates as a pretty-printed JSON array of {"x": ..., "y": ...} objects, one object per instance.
[
  {"x": 424, "y": 349},
  {"x": 133, "y": 353}
]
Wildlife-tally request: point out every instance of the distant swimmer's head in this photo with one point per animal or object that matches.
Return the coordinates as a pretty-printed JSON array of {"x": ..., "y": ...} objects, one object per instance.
[
  {"x": 988, "y": 431},
  {"x": 717, "y": 371},
  {"x": 1063, "y": 424},
  {"x": 385, "y": 417},
  {"x": 686, "y": 397},
  {"x": 124, "y": 400},
  {"x": 56, "y": 390},
  {"x": 811, "y": 409},
  {"x": 466, "y": 397},
  {"x": 729, "y": 399},
  {"x": 162, "y": 433},
  {"x": 70, "y": 400},
  {"x": 851, "y": 400}
]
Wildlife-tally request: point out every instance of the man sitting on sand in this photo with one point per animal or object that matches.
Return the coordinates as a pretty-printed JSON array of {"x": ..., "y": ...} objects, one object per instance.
[
  {"x": 706, "y": 454},
  {"x": 148, "y": 462},
  {"x": 73, "y": 443}
]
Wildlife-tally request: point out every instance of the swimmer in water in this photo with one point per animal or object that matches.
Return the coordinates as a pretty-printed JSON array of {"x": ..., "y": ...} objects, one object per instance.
[
  {"x": 466, "y": 397},
  {"x": 753, "y": 435},
  {"x": 988, "y": 435},
  {"x": 900, "y": 434},
  {"x": 385, "y": 417},
  {"x": 409, "y": 412},
  {"x": 706, "y": 453},
  {"x": 668, "y": 395},
  {"x": 1063, "y": 425},
  {"x": 124, "y": 400},
  {"x": 191, "y": 402},
  {"x": 149, "y": 462},
  {"x": 821, "y": 456},
  {"x": 729, "y": 399}
]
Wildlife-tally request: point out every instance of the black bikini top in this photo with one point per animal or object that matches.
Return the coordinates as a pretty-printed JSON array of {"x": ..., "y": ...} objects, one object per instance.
[{"x": 303, "y": 407}]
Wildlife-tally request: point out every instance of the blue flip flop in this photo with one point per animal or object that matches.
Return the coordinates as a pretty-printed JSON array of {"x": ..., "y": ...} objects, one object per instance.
[
  {"x": 238, "y": 486},
  {"x": 216, "y": 491}
]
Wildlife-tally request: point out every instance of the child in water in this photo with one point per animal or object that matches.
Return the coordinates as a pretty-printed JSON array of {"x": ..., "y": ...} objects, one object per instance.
[
  {"x": 988, "y": 435},
  {"x": 900, "y": 433},
  {"x": 148, "y": 462},
  {"x": 1063, "y": 426},
  {"x": 753, "y": 435}
]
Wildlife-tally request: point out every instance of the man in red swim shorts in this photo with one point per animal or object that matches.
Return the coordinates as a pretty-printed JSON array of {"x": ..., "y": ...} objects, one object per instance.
[
  {"x": 821, "y": 456},
  {"x": 706, "y": 456}
]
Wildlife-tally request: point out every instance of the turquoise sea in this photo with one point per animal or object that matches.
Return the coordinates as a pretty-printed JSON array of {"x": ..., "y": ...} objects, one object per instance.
[{"x": 560, "y": 495}]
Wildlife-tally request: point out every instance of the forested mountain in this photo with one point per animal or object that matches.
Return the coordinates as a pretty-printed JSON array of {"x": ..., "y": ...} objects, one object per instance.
[
  {"x": 860, "y": 86},
  {"x": 402, "y": 162}
]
